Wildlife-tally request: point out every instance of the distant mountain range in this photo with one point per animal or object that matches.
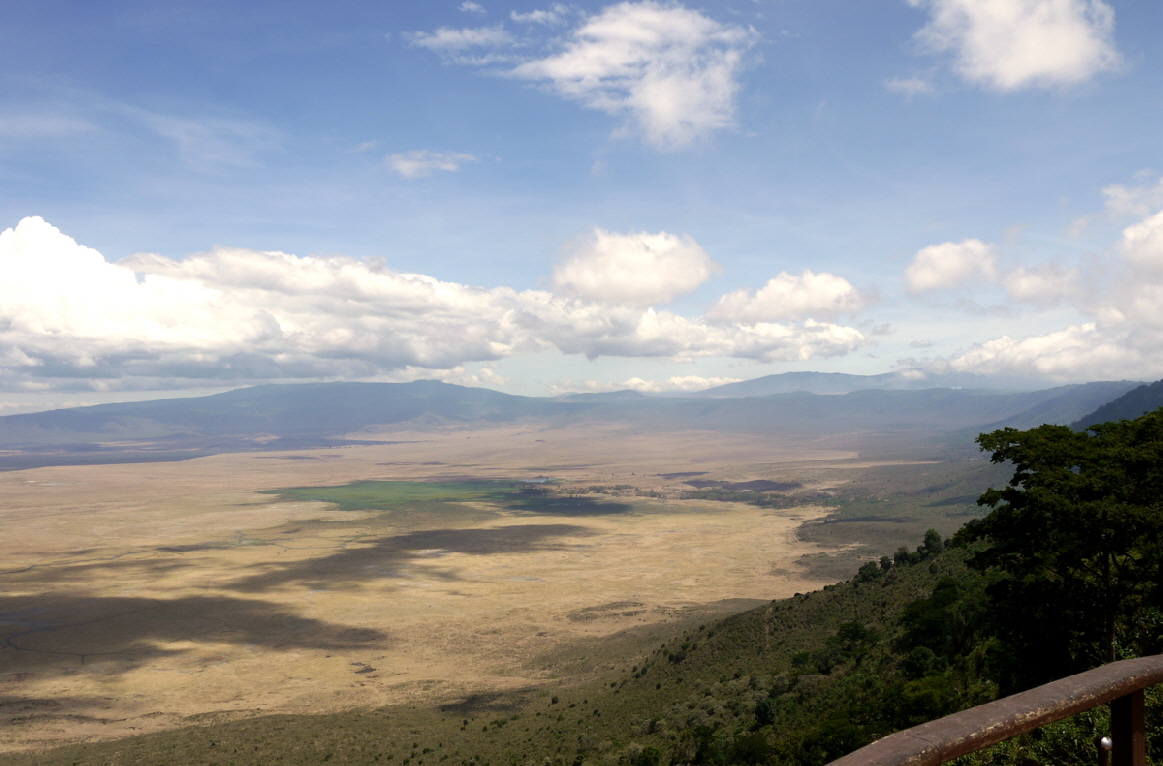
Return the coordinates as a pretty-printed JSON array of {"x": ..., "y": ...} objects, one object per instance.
[
  {"x": 300, "y": 416},
  {"x": 843, "y": 383}
]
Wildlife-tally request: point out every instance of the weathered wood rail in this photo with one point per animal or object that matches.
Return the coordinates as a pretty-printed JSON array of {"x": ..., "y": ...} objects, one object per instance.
[{"x": 936, "y": 742}]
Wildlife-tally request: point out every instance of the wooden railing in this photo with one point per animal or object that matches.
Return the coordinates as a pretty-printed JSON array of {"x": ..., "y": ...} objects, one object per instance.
[{"x": 936, "y": 742}]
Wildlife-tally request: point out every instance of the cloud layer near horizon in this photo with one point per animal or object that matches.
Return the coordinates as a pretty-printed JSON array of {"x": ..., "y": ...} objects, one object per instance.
[
  {"x": 1122, "y": 299},
  {"x": 71, "y": 320}
]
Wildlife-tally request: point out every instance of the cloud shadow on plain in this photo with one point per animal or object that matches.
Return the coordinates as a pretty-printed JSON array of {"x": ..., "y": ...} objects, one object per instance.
[{"x": 388, "y": 557}]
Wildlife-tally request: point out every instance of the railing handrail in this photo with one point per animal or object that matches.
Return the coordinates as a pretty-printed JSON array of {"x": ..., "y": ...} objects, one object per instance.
[{"x": 953, "y": 736}]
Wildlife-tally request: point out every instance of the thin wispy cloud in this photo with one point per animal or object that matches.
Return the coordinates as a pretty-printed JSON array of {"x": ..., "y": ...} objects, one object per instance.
[
  {"x": 422, "y": 163},
  {"x": 40, "y": 125},
  {"x": 555, "y": 15},
  {"x": 909, "y": 86},
  {"x": 446, "y": 39},
  {"x": 212, "y": 144}
]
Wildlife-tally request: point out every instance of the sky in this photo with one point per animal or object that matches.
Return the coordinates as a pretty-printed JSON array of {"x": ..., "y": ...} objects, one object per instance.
[{"x": 543, "y": 198}]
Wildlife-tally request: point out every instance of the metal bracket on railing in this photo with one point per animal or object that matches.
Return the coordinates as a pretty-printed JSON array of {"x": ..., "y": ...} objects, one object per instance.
[{"x": 1103, "y": 745}]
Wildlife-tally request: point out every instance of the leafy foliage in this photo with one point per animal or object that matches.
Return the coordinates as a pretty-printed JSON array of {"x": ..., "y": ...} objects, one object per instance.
[{"x": 1078, "y": 537}]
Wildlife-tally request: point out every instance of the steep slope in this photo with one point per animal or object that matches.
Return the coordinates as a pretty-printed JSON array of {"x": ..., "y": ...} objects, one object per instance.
[{"x": 1127, "y": 407}]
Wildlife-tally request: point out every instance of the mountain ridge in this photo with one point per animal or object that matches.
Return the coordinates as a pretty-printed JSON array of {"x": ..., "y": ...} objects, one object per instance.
[{"x": 314, "y": 415}]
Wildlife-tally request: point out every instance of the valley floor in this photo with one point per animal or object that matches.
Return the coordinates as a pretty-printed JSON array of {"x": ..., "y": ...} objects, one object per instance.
[{"x": 141, "y": 597}]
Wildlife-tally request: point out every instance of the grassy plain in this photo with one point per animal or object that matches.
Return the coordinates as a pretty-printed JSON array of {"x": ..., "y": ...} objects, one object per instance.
[{"x": 141, "y": 597}]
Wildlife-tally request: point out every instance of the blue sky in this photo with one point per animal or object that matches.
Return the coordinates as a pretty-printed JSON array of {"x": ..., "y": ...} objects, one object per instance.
[{"x": 585, "y": 196}]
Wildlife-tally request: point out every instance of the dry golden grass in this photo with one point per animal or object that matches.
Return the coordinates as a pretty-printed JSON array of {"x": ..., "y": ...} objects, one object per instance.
[{"x": 136, "y": 596}]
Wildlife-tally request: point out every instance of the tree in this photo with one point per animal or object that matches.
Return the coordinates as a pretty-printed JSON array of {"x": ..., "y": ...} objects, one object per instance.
[{"x": 1077, "y": 536}]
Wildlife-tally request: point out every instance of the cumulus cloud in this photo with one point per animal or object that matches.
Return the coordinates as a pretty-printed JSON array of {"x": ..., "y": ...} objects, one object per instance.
[
  {"x": 952, "y": 264},
  {"x": 639, "y": 268},
  {"x": 470, "y": 7},
  {"x": 670, "y": 70},
  {"x": 418, "y": 164},
  {"x": 71, "y": 320},
  {"x": 949, "y": 264},
  {"x": 1124, "y": 338},
  {"x": 1014, "y": 44},
  {"x": 787, "y": 296}
]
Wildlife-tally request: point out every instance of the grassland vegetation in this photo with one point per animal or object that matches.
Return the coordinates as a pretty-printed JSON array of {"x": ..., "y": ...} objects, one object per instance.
[{"x": 916, "y": 632}]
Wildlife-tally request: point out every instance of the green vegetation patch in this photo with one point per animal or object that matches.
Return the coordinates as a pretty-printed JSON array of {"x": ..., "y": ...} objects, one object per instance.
[{"x": 386, "y": 495}]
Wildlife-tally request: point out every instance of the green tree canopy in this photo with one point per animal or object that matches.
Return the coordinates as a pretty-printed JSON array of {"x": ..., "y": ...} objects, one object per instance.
[{"x": 1077, "y": 541}]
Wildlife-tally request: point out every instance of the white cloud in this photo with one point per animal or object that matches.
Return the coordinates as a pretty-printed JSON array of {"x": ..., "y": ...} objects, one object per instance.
[
  {"x": 453, "y": 42},
  {"x": 670, "y": 70},
  {"x": 555, "y": 15},
  {"x": 1133, "y": 201},
  {"x": 1045, "y": 285},
  {"x": 365, "y": 146},
  {"x": 787, "y": 296},
  {"x": 949, "y": 264},
  {"x": 69, "y": 320},
  {"x": 640, "y": 269},
  {"x": 1124, "y": 338},
  {"x": 911, "y": 86},
  {"x": 418, "y": 164},
  {"x": 1014, "y": 44},
  {"x": 1142, "y": 245},
  {"x": 470, "y": 7},
  {"x": 677, "y": 383}
]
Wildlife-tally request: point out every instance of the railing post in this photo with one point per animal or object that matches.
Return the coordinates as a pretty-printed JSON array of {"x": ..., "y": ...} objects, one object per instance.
[{"x": 1129, "y": 730}]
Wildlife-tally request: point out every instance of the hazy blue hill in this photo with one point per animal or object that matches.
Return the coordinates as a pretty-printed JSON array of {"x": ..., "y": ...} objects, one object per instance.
[
  {"x": 843, "y": 383},
  {"x": 308, "y": 415},
  {"x": 315, "y": 409},
  {"x": 940, "y": 410},
  {"x": 792, "y": 382},
  {"x": 603, "y": 396},
  {"x": 1129, "y": 406}
]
